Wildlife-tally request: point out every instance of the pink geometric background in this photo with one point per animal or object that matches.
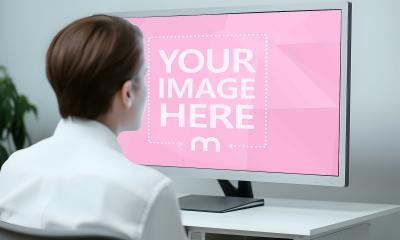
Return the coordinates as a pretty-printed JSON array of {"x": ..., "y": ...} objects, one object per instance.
[{"x": 296, "y": 105}]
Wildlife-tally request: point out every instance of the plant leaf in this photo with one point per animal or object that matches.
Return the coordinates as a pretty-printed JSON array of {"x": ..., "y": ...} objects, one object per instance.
[
  {"x": 13, "y": 109},
  {"x": 7, "y": 91},
  {"x": 3, "y": 155}
]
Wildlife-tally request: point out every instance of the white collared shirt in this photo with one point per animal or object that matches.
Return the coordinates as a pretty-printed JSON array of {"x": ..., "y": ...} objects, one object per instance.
[{"x": 78, "y": 179}]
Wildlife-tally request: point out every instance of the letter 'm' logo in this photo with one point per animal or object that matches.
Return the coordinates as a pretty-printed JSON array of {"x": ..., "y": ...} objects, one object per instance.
[{"x": 205, "y": 142}]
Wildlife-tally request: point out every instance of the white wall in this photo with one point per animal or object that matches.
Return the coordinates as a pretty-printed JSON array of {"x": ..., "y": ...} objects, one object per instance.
[{"x": 26, "y": 28}]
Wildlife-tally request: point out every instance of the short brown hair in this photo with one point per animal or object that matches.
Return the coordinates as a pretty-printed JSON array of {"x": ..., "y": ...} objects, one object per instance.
[{"x": 88, "y": 62}]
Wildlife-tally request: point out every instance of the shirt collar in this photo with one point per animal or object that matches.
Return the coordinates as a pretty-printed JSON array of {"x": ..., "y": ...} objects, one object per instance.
[{"x": 91, "y": 130}]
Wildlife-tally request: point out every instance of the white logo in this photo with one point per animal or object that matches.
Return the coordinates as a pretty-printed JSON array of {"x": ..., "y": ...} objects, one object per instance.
[{"x": 205, "y": 142}]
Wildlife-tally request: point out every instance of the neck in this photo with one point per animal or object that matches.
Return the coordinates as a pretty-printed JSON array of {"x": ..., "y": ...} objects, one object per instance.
[{"x": 109, "y": 121}]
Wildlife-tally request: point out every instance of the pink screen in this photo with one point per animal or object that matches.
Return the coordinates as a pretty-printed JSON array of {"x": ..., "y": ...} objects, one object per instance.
[{"x": 250, "y": 91}]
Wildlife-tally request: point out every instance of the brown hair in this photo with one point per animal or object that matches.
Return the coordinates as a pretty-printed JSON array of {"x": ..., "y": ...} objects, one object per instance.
[{"x": 88, "y": 62}]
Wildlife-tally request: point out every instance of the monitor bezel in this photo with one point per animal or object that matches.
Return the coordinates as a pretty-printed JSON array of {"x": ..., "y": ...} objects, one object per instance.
[{"x": 292, "y": 178}]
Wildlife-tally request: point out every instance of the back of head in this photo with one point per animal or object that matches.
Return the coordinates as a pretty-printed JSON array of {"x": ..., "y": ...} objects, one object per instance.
[{"x": 89, "y": 60}]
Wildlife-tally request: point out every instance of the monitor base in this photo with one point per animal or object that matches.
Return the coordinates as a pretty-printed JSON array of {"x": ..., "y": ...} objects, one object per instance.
[
  {"x": 217, "y": 204},
  {"x": 235, "y": 199}
]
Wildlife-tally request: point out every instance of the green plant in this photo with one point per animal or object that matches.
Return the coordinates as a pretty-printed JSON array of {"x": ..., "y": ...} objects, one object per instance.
[{"x": 13, "y": 108}]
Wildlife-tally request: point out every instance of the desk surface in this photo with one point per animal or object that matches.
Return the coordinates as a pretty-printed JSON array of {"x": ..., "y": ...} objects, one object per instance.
[{"x": 291, "y": 217}]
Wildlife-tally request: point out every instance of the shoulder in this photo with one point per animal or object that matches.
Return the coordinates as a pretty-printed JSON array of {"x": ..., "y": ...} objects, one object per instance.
[
  {"x": 51, "y": 158},
  {"x": 131, "y": 174},
  {"x": 22, "y": 156}
]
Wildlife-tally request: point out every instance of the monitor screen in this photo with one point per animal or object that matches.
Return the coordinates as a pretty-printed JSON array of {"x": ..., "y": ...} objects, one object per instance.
[{"x": 255, "y": 92}]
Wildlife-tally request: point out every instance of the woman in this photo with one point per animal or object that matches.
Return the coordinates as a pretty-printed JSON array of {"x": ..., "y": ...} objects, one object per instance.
[{"x": 78, "y": 179}]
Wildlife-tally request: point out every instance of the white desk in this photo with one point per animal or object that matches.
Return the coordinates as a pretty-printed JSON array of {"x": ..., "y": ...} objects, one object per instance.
[{"x": 290, "y": 219}]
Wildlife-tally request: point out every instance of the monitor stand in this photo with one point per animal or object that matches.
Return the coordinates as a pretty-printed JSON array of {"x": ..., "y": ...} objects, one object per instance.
[
  {"x": 244, "y": 189},
  {"x": 234, "y": 199}
]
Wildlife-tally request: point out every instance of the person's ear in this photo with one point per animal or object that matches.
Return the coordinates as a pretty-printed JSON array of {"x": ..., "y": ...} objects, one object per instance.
[{"x": 127, "y": 94}]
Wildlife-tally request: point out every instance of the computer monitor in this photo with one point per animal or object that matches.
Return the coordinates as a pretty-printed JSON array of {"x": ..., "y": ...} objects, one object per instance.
[{"x": 257, "y": 93}]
